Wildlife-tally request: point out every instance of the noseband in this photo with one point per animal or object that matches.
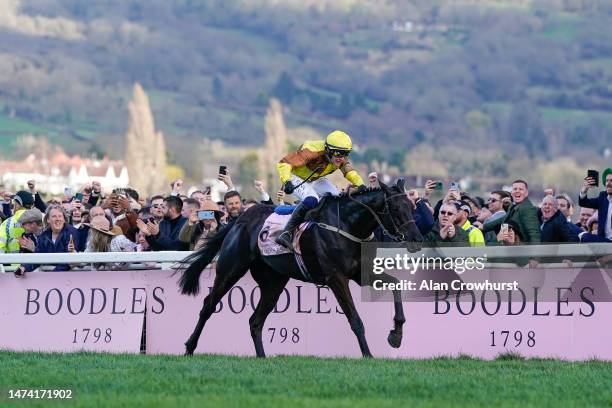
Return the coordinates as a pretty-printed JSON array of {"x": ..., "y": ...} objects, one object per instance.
[{"x": 398, "y": 236}]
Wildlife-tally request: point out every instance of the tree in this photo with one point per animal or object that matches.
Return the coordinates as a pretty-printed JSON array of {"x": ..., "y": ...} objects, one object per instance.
[{"x": 285, "y": 88}]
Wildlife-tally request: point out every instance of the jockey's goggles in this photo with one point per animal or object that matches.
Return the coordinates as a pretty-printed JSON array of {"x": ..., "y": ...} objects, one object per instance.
[{"x": 339, "y": 153}]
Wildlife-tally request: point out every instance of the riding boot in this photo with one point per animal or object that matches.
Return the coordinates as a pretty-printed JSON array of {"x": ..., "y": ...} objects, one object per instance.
[{"x": 286, "y": 237}]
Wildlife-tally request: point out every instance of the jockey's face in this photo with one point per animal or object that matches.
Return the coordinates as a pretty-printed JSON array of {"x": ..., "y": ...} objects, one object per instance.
[{"x": 339, "y": 161}]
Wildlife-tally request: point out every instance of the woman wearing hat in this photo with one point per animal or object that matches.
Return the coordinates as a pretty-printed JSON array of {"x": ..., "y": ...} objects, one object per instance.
[
  {"x": 104, "y": 239},
  {"x": 201, "y": 225}
]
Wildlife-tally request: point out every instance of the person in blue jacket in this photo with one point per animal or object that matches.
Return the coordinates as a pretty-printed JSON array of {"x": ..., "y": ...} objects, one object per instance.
[
  {"x": 602, "y": 203},
  {"x": 58, "y": 237}
]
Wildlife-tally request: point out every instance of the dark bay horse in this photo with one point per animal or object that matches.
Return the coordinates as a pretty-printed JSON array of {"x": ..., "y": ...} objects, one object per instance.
[{"x": 331, "y": 251}]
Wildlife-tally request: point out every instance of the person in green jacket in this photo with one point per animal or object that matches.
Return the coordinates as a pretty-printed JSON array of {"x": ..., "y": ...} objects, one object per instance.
[
  {"x": 522, "y": 212},
  {"x": 444, "y": 231}
]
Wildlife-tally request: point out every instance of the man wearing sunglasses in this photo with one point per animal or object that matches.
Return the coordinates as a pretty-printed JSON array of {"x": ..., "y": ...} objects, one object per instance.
[
  {"x": 444, "y": 231},
  {"x": 303, "y": 172}
]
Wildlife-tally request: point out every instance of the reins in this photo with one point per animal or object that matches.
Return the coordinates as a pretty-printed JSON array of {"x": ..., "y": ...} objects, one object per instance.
[{"x": 398, "y": 238}]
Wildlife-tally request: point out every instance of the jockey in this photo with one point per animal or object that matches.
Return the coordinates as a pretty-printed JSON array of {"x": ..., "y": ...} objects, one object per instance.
[{"x": 303, "y": 172}]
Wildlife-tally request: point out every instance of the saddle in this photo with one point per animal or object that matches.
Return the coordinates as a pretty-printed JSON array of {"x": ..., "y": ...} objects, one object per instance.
[{"x": 273, "y": 226}]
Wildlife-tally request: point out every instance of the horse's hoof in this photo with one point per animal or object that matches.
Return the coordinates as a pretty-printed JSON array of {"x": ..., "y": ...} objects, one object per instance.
[
  {"x": 394, "y": 339},
  {"x": 189, "y": 350}
]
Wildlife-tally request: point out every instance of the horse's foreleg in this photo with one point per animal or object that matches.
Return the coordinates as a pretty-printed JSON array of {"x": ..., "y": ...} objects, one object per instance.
[
  {"x": 271, "y": 286},
  {"x": 223, "y": 283},
  {"x": 339, "y": 285},
  {"x": 395, "y": 335}
]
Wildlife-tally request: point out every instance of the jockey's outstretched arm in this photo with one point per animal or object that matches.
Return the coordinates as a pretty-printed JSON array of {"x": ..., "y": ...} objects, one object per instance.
[{"x": 351, "y": 175}]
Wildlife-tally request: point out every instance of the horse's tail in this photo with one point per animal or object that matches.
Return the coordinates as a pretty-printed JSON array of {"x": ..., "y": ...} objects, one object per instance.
[{"x": 196, "y": 262}]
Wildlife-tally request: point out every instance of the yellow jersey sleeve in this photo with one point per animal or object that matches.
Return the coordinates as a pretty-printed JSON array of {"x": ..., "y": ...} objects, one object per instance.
[
  {"x": 354, "y": 178},
  {"x": 284, "y": 172}
]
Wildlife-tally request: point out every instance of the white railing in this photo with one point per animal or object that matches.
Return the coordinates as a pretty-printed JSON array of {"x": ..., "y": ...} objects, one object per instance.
[{"x": 553, "y": 255}]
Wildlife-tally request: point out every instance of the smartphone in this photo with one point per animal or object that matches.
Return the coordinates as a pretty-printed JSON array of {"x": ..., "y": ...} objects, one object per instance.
[
  {"x": 223, "y": 170},
  {"x": 454, "y": 186},
  {"x": 206, "y": 215},
  {"x": 207, "y": 191},
  {"x": 595, "y": 175},
  {"x": 78, "y": 196},
  {"x": 504, "y": 228},
  {"x": 438, "y": 185}
]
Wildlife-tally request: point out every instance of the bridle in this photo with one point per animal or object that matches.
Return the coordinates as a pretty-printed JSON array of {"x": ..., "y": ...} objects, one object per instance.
[{"x": 398, "y": 236}]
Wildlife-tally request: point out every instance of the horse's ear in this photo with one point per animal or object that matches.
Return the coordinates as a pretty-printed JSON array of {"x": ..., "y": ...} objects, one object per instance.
[
  {"x": 401, "y": 185},
  {"x": 382, "y": 185}
]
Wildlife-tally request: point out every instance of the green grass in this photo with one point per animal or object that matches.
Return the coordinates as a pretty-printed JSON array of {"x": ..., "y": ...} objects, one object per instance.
[{"x": 138, "y": 380}]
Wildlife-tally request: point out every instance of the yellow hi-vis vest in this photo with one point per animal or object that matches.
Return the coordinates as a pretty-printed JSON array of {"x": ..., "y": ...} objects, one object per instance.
[{"x": 10, "y": 232}]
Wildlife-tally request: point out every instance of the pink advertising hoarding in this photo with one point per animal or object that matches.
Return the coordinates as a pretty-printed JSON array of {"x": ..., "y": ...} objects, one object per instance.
[
  {"x": 72, "y": 311},
  {"x": 307, "y": 320}
]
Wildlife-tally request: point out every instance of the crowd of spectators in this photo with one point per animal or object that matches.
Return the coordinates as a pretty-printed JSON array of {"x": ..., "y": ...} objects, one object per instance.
[{"x": 121, "y": 220}]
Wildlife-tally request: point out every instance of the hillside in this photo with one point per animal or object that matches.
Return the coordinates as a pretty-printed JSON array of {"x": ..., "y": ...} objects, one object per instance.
[{"x": 474, "y": 79}]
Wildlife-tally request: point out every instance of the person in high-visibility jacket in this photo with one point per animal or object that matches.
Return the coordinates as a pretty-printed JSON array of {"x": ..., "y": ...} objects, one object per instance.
[
  {"x": 475, "y": 236},
  {"x": 11, "y": 229},
  {"x": 303, "y": 172}
]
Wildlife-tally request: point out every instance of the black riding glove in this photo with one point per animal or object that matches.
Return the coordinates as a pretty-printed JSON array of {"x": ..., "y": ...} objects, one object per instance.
[
  {"x": 288, "y": 187},
  {"x": 361, "y": 188}
]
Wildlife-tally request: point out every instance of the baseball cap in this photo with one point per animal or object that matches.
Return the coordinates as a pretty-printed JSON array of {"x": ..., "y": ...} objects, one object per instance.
[
  {"x": 24, "y": 198},
  {"x": 463, "y": 205}
]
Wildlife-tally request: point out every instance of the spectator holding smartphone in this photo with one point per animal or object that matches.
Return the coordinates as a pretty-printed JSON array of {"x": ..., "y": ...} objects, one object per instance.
[
  {"x": 93, "y": 193},
  {"x": 522, "y": 212},
  {"x": 165, "y": 235},
  {"x": 190, "y": 205},
  {"x": 602, "y": 203},
  {"x": 224, "y": 176},
  {"x": 201, "y": 196},
  {"x": 509, "y": 234},
  {"x": 444, "y": 231},
  {"x": 58, "y": 237},
  {"x": 201, "y": 225},
  {"x": 121, "y": 215}
]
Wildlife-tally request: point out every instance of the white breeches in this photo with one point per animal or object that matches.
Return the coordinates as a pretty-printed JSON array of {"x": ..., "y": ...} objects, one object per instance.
[{"x": 315, "y": 188}]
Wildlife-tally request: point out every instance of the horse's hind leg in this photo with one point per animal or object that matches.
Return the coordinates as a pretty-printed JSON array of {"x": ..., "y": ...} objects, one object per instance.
[
  {"x": 228, "y": 272},
  {"x": 271, "y": 285},
  {"x": 339, "y": 285}
]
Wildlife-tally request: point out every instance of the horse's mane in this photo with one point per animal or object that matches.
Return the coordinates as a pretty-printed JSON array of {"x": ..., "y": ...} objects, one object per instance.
[
  {"x": 344, "y": 194},
  {"x": 342, "y": 198}
]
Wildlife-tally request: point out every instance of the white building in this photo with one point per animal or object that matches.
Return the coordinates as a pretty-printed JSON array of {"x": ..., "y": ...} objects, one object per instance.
[{"x": 53, "y": 175}]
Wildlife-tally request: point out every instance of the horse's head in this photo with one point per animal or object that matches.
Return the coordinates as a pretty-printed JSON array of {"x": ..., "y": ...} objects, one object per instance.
[{"x": 399, "y": 220}]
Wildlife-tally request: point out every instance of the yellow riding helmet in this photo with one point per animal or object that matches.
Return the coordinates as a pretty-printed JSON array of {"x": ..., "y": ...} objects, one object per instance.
[{"x": 338, "y": 141}]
